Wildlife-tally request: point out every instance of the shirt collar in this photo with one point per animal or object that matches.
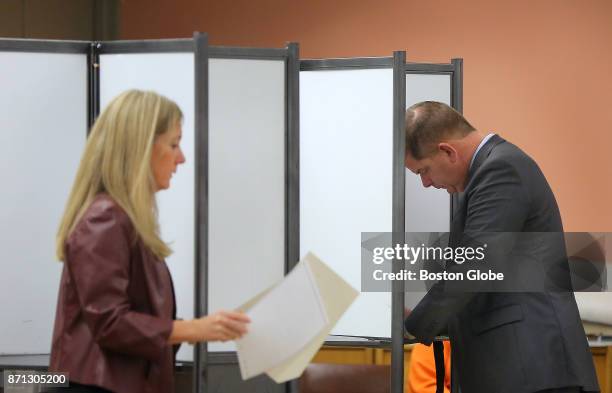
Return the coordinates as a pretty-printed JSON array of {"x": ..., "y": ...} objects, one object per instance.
[{"x": 482, "y": 143}]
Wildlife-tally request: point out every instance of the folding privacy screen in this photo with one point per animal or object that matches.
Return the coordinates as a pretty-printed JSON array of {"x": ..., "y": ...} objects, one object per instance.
[
  {"x": 169, "y": 69},
  {"x": 252, "y": 197},
  {"x": 346, "y": 168},
  {"x": 43, "y": 116},
  {"x": 346, "y": 146},
  {"x": 353, "y": 180},
  {"x": 229, "y": 210},
  {"x": 252, "y": 188}
]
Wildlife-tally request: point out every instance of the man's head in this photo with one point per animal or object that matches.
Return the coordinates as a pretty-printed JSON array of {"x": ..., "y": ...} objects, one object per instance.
[{"x": 439, "y": 145}]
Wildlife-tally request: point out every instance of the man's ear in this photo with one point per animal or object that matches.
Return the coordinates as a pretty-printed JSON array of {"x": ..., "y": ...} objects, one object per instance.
[{"x": 449, "y": 151}]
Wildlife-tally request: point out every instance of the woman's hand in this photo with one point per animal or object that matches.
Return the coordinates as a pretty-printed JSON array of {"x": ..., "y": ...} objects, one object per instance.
[
  {"x": 222, "y": 326},
  {"x": 219, "y": 326}
]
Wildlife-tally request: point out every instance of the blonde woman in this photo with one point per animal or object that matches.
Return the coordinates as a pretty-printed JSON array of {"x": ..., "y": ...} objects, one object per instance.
[{"x": 115, "y": 322}]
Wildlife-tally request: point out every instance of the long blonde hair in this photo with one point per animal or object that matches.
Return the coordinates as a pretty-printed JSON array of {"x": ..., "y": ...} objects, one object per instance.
[{"x": 117, "y": 161}]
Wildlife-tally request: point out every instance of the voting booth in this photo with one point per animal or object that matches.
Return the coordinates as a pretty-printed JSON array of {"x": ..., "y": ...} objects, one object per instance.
[
  {"x": 353, "y": 179},
  {"x": 283, "y": 157},
  {"x": 231, "y": 206},
  {"x": 234, "y": 181},
  {"x": 44, "y": 118}
]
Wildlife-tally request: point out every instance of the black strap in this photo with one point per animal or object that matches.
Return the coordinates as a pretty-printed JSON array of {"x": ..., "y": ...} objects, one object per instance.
[{"x": 438, "y": 347}]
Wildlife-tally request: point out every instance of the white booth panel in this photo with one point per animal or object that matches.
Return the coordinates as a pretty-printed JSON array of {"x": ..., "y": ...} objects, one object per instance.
[
  {"x": 346, "y": 152},
  {"x": 427, "y": 209},
  {"x": 172, "y": 75},
  {"x": 246, "y": 181},
  {"x": 43, "y": 118}
]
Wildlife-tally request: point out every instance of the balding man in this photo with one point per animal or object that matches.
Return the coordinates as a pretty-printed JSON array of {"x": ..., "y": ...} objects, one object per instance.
[{"x": 503, "y": 342}]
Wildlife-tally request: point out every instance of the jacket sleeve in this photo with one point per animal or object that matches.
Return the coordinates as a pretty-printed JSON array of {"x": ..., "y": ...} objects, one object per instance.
[
  {"x": 98, "y": 259},
  {"x": 498, "y": 202}
]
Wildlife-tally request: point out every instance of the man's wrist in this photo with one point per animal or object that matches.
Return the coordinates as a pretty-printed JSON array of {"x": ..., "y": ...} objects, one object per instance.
[{"x": 408, "y": 335}]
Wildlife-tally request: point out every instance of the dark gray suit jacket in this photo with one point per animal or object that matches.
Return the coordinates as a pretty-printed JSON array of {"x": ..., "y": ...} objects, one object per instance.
[{"x": 508, "y": 341}]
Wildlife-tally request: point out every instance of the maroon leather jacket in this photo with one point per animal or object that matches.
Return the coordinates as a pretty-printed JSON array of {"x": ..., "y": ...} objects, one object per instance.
[{"x": 115, "y": 307}]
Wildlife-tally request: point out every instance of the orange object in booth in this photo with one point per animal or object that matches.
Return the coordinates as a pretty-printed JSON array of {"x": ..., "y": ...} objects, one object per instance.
[{"x": 422, "y": 369}]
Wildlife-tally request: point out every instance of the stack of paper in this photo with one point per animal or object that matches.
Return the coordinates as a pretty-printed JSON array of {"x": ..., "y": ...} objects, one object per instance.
[{"x": 291, "y": 319}]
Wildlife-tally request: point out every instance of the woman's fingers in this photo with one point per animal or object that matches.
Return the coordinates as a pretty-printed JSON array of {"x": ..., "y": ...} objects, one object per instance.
[
  {"x": 236, "y": 315},
  {"x": 235, "y": 327},
  {"x": 223, "y": 326},
  {"x": 233, "y": 324}
]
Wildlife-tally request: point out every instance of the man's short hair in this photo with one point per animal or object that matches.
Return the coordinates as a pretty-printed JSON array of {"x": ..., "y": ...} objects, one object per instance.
[{"x": 428, "y": 123}]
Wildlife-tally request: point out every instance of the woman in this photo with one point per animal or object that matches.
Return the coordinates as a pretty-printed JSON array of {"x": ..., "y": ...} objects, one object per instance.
[{"x": 115, "y": 323}]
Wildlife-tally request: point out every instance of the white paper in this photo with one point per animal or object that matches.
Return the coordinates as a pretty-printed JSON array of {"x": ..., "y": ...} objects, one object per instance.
[
  {"x": 337, "y": 296},
  {"x": 283, "y": 322},
  {"x": 595, "y": 306}
]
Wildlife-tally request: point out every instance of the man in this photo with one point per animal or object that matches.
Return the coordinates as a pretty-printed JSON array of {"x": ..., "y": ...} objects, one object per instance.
[{"x": 502, "y": 342}]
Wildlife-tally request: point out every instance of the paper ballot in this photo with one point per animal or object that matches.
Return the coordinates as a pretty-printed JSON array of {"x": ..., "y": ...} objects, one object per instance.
[
  {"x": 291, "y": 319},
  {"x": 282, "y": 322}
]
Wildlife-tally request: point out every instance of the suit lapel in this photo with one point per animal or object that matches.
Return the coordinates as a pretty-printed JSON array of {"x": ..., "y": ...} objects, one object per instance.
[
  {"x": 459, "y": 214},
  {"x": 483, "y": 153}
]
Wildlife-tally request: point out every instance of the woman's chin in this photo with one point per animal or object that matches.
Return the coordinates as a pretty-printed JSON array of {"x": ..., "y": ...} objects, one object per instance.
[{"x": 161, "y": 187}]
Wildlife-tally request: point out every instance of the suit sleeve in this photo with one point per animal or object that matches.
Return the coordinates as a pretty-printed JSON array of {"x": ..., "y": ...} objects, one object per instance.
[
  {"x": 497, "y": 202},
  {"x": 98, "y": 259}
]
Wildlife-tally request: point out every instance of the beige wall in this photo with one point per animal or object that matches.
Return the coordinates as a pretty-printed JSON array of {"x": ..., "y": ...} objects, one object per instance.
[
  {"x": 59, "y": 19},
  {"x": 539, "y": 72}
]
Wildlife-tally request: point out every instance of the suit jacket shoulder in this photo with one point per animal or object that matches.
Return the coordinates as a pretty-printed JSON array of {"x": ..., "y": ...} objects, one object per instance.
[{"x": 507, "y": 191}]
